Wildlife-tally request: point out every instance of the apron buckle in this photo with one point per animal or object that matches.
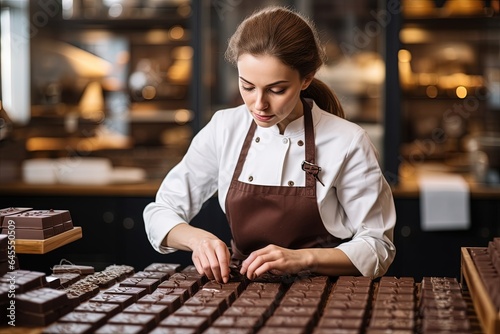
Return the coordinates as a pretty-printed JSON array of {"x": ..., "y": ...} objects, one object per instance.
[{"x": 312, "y": 169}]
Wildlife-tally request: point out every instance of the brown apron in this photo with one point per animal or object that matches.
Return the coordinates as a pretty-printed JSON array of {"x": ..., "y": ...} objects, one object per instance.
[{"x": 284, "y": 216}]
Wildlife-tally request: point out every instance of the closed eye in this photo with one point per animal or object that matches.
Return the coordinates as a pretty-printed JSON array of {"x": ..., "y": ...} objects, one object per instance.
[{"x": 248, "y": 89}]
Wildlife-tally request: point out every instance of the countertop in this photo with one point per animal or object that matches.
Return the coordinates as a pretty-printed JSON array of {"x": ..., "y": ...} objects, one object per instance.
[
  {"x": 139, "y": 189},
  {"x": 406, "y": 188}
]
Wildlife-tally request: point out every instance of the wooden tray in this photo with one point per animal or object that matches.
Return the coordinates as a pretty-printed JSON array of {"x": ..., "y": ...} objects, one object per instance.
[
  {"x": 489, "y": 317},
  {"x": 25, "y": 246}
]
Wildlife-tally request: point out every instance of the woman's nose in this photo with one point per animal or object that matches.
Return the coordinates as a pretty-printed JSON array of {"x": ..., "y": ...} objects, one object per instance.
[{"x": 261, "y": 103}]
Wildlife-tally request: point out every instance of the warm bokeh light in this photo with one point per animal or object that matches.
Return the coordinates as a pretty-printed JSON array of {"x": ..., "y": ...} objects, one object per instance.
[
  {"x": 176, "y": 32},
  {"x": 182, "y": 116},
  {"x": 149, "y": 92},
  {"x": 461, "y": 92},
  {"x": 431, "y": 91},
  {"x": 404, "y": 56}
]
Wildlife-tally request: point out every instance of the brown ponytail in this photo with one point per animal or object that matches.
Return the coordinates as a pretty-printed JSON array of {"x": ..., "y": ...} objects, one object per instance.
[
  {"x": 286, "y": 35},
  {"x": 324, "y": 97}
]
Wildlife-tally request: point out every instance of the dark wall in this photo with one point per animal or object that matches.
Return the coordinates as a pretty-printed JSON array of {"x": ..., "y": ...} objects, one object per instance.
[{"x": 421, "y": 253}]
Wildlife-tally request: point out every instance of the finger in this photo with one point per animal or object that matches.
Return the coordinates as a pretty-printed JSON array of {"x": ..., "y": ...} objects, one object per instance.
[
  {"x": 260, "y": 265},
  {"x": 202, "y": 264},
  {"x": 249, "y": 260},
  {"x": 197, "y": 265},
  {"x": 223, "y": 256},
  {"x": 214, "y": 266}
]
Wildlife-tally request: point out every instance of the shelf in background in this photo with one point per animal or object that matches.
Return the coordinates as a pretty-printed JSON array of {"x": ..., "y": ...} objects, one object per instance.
[{"x": 24, "y": 246}]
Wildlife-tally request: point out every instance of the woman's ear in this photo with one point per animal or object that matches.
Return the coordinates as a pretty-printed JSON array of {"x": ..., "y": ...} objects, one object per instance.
[{"x": 307, "y": 81}]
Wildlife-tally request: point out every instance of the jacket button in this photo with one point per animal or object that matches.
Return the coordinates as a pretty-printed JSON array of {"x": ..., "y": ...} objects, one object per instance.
[
  {"x": 291, "y": 183},
  {"x": 300, "y": 143},
  {"x": 250, "y": 178},
  {"x": 285, "y": 141},
  {"x": 257, "y": 139}
]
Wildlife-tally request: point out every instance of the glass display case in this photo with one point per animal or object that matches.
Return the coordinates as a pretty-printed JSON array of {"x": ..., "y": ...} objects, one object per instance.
[
  {"x": 119, "y": 61},
  {"x": 450, "y": 81}
]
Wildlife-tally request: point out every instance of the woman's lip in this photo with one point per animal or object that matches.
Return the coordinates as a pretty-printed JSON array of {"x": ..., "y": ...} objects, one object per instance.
[{"x": 263, "y": 118}]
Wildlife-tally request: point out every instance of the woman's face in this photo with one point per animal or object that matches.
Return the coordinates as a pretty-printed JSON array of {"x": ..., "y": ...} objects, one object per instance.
[{"x": 270, "y": 90}]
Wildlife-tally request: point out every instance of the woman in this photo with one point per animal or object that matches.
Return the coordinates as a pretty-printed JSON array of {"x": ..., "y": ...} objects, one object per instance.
[{"x": 300, "y": 185}]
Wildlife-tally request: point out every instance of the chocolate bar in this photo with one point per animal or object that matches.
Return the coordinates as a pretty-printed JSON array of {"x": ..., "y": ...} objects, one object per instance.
[
  {"x": 94, "y": 319},
  {"x": 11, "y": 211},
  {"x": 64, "y": 328},
  {"x": 41, "y": 300},
  {"x": 72, "y": 268},
  {"x": 137, "y": 293},
  {"x": 37, "y": 219},
  {"x": 146, "y": 321},
  {"x": 32, "y": 234},
  {"x": 160, "y": 311}
]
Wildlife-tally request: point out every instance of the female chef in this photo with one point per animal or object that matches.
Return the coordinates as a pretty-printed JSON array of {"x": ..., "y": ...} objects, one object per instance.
[{"x": 300, "y": 185}]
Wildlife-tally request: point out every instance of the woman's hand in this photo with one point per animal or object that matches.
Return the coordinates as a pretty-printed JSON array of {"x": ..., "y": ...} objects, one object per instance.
[
  {"x": 211, "y": 257},
  {"x": 210, "y": 254},
  {"x": 275, "y": 259}
]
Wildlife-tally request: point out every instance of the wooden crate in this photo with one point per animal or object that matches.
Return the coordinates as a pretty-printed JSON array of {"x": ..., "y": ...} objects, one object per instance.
[{"x": 489, "y": 316}]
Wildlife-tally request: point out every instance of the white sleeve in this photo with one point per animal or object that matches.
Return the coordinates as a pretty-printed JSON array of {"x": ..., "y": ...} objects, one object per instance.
[
  {"x": 185, "y": 188},
  {"x": 369, "y": 206}
]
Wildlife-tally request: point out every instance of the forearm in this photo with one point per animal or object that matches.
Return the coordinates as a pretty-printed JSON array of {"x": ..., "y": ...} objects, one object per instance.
[
  {"x": 185, "y": 237},
  {"x": 328, "y": 261}
]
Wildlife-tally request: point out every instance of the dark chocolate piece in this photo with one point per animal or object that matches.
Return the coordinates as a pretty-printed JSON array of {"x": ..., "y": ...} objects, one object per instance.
[
  {"x": 37, "y": 219},
  {"x": 160, "y": 311},
  {"x": 41, "y": 300},
  {"x": 210, "y": 312},
  {"x": 150, "y": 284},
  {"x": 278, "y": 330},
  {"x": 148, "y": 321},
  {"x": 298, "y": 301},
  {"x": 173, "y": 330},
  {"x": 32, "y": 234},
  {"x": 72, "y": 268},
  {"x": 30, "y": 319},
  {"x": 11, "y": 211},
  {"x": 392, "y": 323},
  {"x": 177, "y": 321},
  {"x": 286, "y": 321},
  {"x": 151, "y": 274},
  {"x": 227, "y": 321},
  {"x": 65, "y": 328},
  {"x": 190, "y": 286},
  {"x": 226, "y": 330},
  {"x": 120, "y": 329},
  {"x": 94, "y": 319},
  {"x": 122, "y": 300},
  {"x": 260, "y": 294},
  {"x": 67, "y": 279},
  {"x": 107, "y": 308},
  {"x": 344, "y": 313},
  {"x": 239, "y": 311},
  {"x": 172, "y": 301},
  {"x": 294, "y": 311},
  {"x": 169, "y": 268},
  {"x": 349, "y": 323},
  {"x": 125, "y": 290}
]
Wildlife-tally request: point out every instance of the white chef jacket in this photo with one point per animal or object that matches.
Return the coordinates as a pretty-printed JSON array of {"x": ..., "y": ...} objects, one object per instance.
[{"x": 355, "y": 202}]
